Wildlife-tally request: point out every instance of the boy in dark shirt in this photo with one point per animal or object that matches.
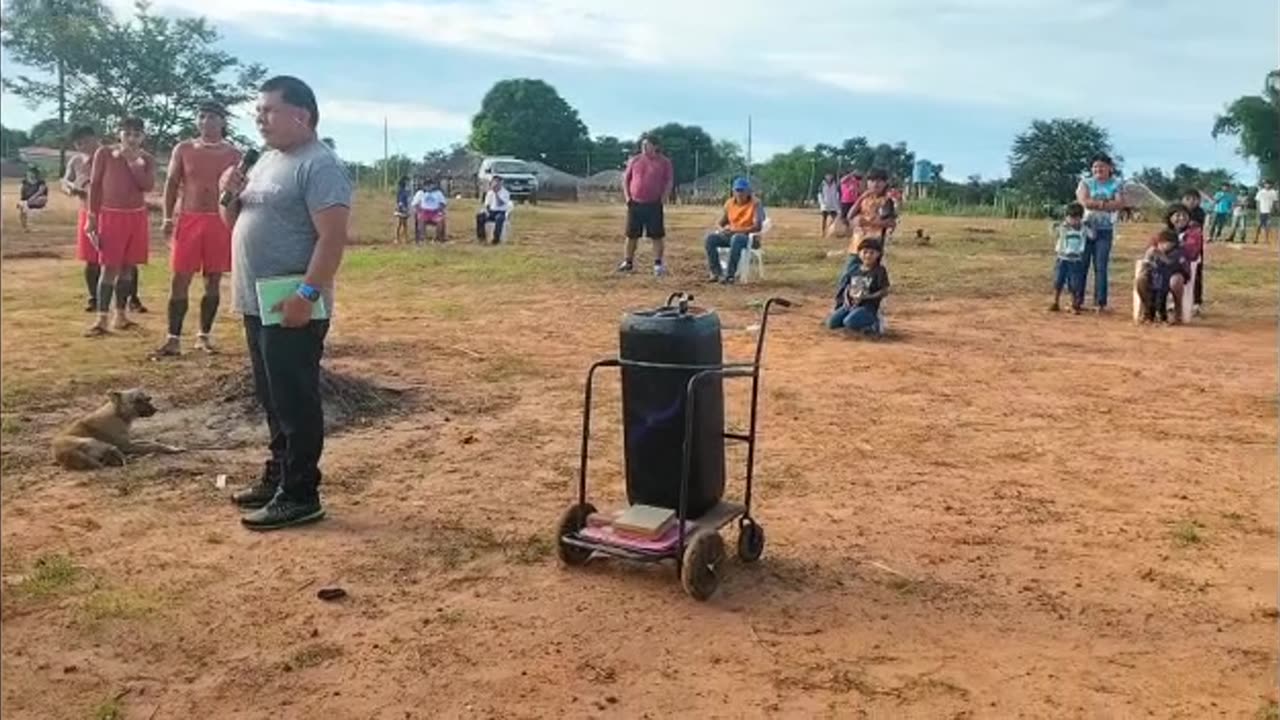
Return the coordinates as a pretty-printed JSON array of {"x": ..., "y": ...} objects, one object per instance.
[{"x": 860, "y": 292}]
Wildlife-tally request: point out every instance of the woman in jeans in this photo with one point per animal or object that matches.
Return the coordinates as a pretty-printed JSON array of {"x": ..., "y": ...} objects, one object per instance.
[{"x": 1100, "y": 196}]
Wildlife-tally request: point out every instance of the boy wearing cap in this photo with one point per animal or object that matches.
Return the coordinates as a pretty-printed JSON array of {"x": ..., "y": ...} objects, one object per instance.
[
  {"x": 117, "y": 221},
  {"x": 201, "y": 240},
  {"x": 743, "y": 216}
]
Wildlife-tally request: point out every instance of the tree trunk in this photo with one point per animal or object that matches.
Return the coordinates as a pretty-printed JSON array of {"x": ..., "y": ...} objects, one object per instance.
[{"x": 62, "y": 118}]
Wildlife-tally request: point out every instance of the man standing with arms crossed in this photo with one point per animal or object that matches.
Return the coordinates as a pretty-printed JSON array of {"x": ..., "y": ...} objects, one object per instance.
[
  {"x": 289, "y": 217},
  {"x": 201, "y": 240},
  {"x": 121, "y": 176},
  {"x": 646, "y": 184}
]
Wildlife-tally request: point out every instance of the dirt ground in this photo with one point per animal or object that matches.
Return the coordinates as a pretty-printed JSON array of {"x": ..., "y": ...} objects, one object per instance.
[{"x": 997, "y": 513}]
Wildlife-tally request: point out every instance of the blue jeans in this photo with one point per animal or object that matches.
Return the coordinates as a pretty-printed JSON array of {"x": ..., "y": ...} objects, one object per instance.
[
  {"x": 736, "y": 244},
  {"x": 858, "y": 318},
  {"x": 1097, "y": 252},
  {"x": 1070, "y": 274}
]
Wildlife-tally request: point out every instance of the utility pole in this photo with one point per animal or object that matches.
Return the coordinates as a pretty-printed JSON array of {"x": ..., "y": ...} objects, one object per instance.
[
  {"x": 696, "y": 167},
  {"x": 748, "y": 148},
  {"x": 386, "y": 156}
]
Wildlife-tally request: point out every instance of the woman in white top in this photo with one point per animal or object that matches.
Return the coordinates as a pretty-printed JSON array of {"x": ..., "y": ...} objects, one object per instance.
[
  {"x": 829, "y": 201},
  {"x": 497, "y": 203},
  {"x": 1100, "y": 195}
]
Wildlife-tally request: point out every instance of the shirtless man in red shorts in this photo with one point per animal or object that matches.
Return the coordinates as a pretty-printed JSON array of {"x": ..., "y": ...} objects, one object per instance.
[
  {"x": 75, "y": 182},
  {"x": 201, "y": 241},
  {"x": 117, "y": 221}
]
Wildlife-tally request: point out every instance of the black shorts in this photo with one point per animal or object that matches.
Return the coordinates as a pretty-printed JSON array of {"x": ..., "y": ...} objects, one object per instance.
[
  {"x": 845, "y": 208},
  {"x": 829, "y": 214},
  {"x": 645, "y": 220}
]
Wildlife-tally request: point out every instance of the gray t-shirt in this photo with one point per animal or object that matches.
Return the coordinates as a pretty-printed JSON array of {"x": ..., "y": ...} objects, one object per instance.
[{"x": 274, "y": 234}]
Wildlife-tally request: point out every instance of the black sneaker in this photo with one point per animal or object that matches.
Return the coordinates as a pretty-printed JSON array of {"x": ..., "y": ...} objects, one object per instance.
[
  {"x": 91, "y": 306},
  {"x": 626, "y": 266},
  {"x": 259, "y": 494},
  {"x": 135, "y": 305},
  {"x": 283, "y": 512}
]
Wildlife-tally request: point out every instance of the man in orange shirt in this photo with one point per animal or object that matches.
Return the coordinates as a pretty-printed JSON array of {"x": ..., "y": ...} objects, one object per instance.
[
  {"x": 117, "y": 222},
  {"x": 743, "y": 217},
  {"x": 201, "y": 240}
]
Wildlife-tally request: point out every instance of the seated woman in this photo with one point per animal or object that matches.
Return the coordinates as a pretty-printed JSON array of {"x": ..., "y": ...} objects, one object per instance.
[
  {"x": 743, "y": 217},
  {"x": 860, "y": 292},
  {"x": 497, "y": 204},
  {"x": 34, "y": 194}
]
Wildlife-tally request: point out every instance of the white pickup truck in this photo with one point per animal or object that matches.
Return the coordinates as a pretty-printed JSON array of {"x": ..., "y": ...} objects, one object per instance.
[{"x": 520, "y": 178}]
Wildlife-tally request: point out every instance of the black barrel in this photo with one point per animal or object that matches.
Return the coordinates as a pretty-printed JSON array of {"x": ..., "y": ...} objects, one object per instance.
[{"x": 653, "y": 407}]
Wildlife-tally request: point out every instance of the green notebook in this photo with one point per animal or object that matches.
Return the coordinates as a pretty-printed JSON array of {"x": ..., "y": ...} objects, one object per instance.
[{"x": 275, "y": 289}]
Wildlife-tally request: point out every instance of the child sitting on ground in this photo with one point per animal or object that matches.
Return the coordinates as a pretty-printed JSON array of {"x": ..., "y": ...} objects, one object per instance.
[
  {"x": 859, "y": 295},
  {"x": 1163, "y": 271},
  {"x": 1069, "y": 266}
]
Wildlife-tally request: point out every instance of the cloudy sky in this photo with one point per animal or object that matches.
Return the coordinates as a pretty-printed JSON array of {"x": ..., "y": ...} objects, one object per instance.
[{"x": 955, "y": 79}]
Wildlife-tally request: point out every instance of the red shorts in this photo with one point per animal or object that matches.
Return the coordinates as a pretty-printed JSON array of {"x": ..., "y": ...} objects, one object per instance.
[
  {"x": 124, "y": 237},
  {"x": 201, "y": 243},
  {"x": 85, "y": 250},
  {"x": 430, "y": 217}
]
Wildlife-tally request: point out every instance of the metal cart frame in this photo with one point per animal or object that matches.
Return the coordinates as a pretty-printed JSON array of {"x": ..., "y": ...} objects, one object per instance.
[{"x": 700, "y": 549}]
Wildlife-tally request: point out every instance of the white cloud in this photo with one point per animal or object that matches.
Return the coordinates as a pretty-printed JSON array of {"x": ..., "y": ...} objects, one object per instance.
[
  {"x": 401, "y": 116},
  {"x": 1041, "y": 55}
]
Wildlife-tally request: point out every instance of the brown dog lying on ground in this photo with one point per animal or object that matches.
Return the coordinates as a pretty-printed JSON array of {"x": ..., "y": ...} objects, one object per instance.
[{"x": 101, "y": 438}]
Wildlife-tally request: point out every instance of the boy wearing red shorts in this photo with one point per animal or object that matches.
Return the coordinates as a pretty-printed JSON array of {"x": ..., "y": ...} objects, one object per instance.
[
  {"x": 201, "y": 240},
  {"x": 75, "y": 182},
  {"x": 121, "y": 177}
]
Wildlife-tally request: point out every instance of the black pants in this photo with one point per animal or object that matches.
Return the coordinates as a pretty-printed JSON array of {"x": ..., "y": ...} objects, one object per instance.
[
  {"x": 484, "y": 217},
  {"x": 286, "y": 378}
]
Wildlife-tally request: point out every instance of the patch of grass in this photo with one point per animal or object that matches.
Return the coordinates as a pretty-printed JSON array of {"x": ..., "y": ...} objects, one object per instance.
[
  {"x": 118, "y": 604},
  {"x": 50, "y": 575},
  {"x": 1268, "y": 711},
  {"x": 109, "y": 709},
  {"x": 1187, "y": 533},
  {"x": 530, "y": 550},
  {"x": 314, "y": 654},
  {"x": 11, "y": 425}
]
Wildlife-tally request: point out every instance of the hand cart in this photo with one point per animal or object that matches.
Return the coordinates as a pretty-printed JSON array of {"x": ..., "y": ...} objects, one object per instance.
[{"x": 699, "y": 549}]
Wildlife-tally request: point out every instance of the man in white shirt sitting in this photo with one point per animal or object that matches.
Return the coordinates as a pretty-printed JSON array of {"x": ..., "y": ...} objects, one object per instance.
[
  {"x": 429, "y": 204},
  {"x": 497, "y": 203}
]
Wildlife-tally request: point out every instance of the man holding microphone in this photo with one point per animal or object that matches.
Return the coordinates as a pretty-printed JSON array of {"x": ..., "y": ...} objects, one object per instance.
[{"x": 288, "y": 217}]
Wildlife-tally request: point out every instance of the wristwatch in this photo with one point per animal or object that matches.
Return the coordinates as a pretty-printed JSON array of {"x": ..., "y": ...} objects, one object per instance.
[{"x": 308, "y": 293}]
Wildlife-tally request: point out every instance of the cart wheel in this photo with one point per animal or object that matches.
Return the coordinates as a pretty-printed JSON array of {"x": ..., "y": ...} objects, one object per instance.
[
  {"x": 573, "y": 520},
  {"x": 700, "y": 571},
  {"x": 750, "y": 541}
]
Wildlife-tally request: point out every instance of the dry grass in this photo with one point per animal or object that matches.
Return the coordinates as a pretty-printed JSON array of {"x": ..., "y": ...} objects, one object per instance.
[{"x": 1003, "y": 513}]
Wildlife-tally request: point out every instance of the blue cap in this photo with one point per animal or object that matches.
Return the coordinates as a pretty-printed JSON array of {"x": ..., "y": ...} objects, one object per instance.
[{"x": 741, "y": 184}]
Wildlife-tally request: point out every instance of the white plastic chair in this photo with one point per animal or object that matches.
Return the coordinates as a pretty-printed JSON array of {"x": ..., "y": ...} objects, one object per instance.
[
  {"x": 1188, "y": 293},
  {"x": 506, "y": 225},
  {"x": 751, "y": 257}
]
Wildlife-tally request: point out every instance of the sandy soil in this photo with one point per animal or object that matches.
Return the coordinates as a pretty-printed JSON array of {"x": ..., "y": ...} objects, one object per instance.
[{"x": 999, "y": 513}]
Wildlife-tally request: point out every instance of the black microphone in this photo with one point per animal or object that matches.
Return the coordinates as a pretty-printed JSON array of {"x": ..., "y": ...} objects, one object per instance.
[{"x": 246, "y": 162}]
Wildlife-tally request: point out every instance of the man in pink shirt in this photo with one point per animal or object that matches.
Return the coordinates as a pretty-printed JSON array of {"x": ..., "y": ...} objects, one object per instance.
[{"x": 645, "y": 184}]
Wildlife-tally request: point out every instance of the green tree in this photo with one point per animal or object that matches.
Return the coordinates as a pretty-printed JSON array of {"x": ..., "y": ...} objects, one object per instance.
[
  {"x": 693, "y": 152},
  {"x": 608, "y": 153},
  {"x": 789, "y": 176},
  {"x": 159, "y": 69},
  {"x": 528, "y": 119},
  {"x": 56, "y": 37},
  {"x": 11, "y": 141},
  {"x": 1047, "y": 160},
  {"x": 1255, "y": 121},
  {"x": 330, "y": 142}
]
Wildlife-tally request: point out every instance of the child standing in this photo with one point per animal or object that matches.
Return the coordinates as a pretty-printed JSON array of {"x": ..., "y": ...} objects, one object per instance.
[
  {"x": 828, "y": 201},
  {"x": 402, "y": 210},
  {"x": 858, "y": 297},
  {"x": 1163, "y": 271},
  {"x": 1069, "y": 265}
]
